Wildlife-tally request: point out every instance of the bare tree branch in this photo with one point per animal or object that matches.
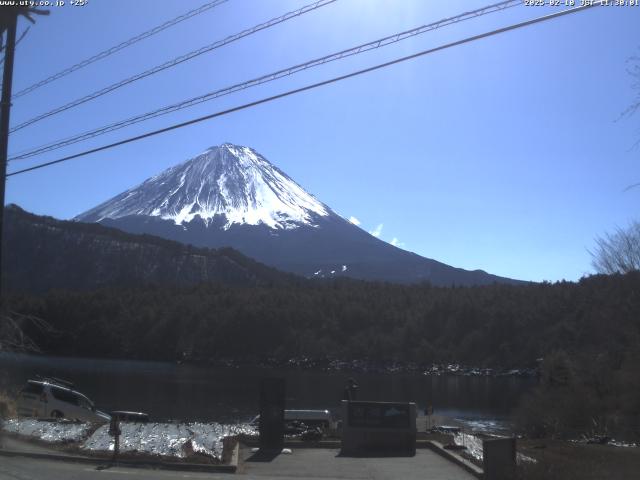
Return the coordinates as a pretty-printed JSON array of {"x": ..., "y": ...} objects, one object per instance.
[
  {"x": 12, "y": 331},
  {"x": 633, "y": 69},
  {"x": 618, "y": 252}
]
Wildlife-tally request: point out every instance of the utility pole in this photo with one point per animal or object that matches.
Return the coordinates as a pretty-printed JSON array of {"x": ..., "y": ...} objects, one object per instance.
[{"x": 11, "y": 20}]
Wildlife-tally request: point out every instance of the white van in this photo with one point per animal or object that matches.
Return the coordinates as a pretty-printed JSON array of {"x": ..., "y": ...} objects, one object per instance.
[
  {"x": 311, "y": 418},
  {"x": 53, "y": 398}
]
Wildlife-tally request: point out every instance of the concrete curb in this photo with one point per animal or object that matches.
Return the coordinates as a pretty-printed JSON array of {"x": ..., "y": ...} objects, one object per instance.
[
  {"x": 187, "y": 467},
  {"x": 432, "y": 445},
  {"x": 438, "y": 448}
]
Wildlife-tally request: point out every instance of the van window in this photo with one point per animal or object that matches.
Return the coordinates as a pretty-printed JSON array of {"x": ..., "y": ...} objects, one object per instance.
[
  {"x": 65, "y": 396},
  {"x": 85, "y": 403},
  {"x": 33, "y": 388}
]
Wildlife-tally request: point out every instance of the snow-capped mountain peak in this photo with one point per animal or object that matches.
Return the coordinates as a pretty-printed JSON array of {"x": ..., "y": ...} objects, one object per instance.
[
  {"x": 227, "y": 181},
  {"x": 231, "y": 196}
]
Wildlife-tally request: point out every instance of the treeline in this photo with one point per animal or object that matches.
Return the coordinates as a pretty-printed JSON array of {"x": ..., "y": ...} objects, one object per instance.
[{"x": 497, "y": 326}]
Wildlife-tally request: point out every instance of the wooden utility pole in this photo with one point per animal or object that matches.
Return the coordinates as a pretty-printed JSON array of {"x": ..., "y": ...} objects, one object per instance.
[{"x": 11, "y": 22}]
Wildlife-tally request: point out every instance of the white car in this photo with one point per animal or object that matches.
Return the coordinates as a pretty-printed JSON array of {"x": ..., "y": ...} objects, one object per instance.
[
  {"x": 53, "y": 398},
  {"x": 311, "y": 418}
]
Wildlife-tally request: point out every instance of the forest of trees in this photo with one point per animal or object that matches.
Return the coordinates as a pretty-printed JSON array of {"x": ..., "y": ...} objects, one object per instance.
[{"x": 499, "y": 325}]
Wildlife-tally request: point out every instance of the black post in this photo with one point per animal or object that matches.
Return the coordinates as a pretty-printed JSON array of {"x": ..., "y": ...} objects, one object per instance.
[
  {"x": 272, "y": 399},
  {"x": 499, "y": 458},
  {"x": 115, "y": 432},
  {"x": 5, "y": 110}
]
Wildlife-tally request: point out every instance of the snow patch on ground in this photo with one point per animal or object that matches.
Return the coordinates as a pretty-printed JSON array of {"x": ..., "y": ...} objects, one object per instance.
[
  {"x": 167, "y": 439},
  {"x": 617, "y": 443},
  {"x": 473, "y": 444},
  {"x": 178, "y": 440},
  {"x": 55, "y": 432}
]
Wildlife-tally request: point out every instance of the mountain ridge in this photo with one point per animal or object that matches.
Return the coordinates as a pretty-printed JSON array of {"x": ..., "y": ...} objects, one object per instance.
[{"x": 43, "y": 253}]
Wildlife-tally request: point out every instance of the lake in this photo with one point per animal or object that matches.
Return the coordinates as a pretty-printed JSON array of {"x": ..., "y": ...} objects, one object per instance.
[{"x": 168, "y": 391}]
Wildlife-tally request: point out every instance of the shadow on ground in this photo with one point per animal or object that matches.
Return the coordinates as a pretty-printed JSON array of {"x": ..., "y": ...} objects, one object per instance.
[
  {"x": 263, "y": 456},
  {"x": 380, "y": 454}
]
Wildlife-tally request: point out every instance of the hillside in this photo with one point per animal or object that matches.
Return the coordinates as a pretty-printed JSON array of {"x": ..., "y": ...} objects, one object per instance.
[{"x": 42, "y": 253}]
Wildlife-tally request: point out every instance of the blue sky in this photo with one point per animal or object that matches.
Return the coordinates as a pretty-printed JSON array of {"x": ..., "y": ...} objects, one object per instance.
[{"x": 506, "y": 154}]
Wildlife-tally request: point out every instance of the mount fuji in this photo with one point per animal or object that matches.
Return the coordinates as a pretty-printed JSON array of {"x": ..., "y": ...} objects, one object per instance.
[{"x": 231, "y": 195}]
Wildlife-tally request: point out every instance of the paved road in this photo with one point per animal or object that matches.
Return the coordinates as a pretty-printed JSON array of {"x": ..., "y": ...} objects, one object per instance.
[
  {"x": 15, "y": 445},
  {"x": 323, "y": 464},
  {"x": 20, "y": 468}
]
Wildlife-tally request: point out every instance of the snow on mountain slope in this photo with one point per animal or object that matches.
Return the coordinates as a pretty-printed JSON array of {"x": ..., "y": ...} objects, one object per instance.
[{"x": 230, "y": 181}]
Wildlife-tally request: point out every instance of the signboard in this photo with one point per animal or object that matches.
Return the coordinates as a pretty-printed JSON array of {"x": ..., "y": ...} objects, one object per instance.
[{"x": 379, "y": 415}]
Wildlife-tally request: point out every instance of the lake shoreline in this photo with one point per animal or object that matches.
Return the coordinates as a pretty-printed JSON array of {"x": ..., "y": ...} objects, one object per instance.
[{"x": 356, "y": 366}]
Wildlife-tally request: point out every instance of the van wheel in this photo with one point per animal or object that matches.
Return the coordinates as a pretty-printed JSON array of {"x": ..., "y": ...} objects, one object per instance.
[{"x": 57, "y": 414}]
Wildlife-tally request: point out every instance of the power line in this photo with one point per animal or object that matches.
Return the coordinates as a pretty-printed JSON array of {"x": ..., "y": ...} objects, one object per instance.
[
  {"x": 309, "y": 87},
  {"x": 267, "y": 78},
  {"x": 176, "y": 61},
  {"x": 120, "y": 46},
  {"x": 22, "y": 35}
]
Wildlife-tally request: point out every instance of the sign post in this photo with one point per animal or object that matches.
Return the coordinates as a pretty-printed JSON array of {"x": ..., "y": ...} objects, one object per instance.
[
  {"x": 429, "y": 412},
  {"x": 114, "y": 431}
]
